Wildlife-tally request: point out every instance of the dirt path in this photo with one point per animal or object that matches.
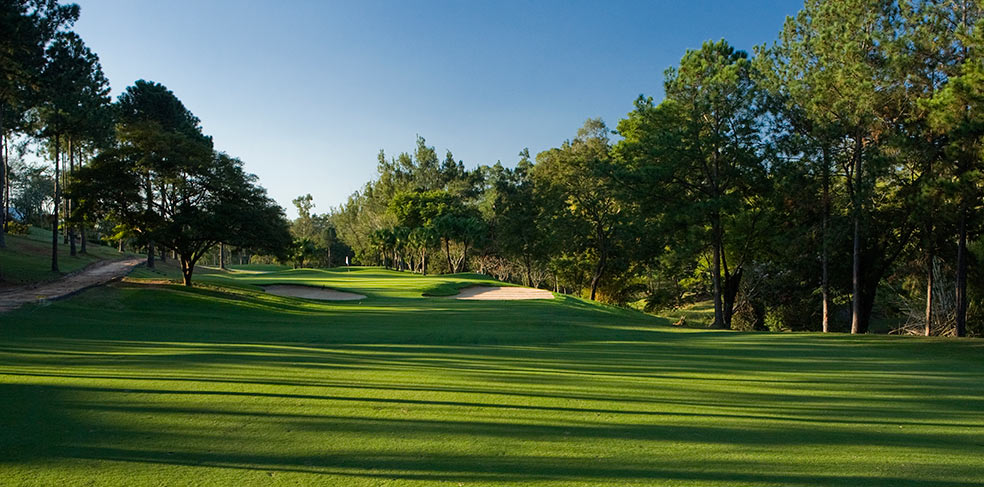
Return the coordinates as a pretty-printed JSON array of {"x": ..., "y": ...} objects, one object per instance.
[{"x": 94, "y": 275}]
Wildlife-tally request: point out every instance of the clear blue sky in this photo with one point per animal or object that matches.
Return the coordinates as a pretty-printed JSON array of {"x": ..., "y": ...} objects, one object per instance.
[{"x": 308, "y": 92}]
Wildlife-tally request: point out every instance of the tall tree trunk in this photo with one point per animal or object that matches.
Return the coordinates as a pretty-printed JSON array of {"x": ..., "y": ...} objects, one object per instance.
[
  {"x": 82, "y": 249},
  {"x": 222, "y": 256},
  {"x": 599, "y": 269},
  {"x": 68, "y": 202},
  {"x": 856, "y": 324},
  {"x": 462, "y": 264},
  {"x": 6, "y": 183},
  {"x": 716, "y": 271},
  {"x": 732, "y": 282},
  {"x": 54, "y": 219},
  {"x": 447, "y": 251},
  {"x": 929, "y": 295},
  {"x": 825, "y": 251},
  {"x": 868, "y": 292},
  {"x": 3, "y": 181},
  {"x": 150, "y": 208},
  {"x": 187, "y": 269},
  {"x": 961, "y": 321}
]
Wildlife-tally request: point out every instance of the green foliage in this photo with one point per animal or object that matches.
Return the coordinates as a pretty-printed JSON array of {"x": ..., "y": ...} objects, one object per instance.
[
  {"x": 165, "y": 183},
  {"x": 18, "y": 228}
]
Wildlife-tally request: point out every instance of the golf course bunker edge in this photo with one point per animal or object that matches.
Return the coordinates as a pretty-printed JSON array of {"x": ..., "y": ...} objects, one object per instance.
[
  {"x": 310, "y": 292},
  {"x": 502, "y": 293}
]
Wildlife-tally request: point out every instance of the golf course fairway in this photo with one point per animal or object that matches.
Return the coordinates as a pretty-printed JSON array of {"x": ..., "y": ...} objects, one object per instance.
[{"x": 223, "y": 384}]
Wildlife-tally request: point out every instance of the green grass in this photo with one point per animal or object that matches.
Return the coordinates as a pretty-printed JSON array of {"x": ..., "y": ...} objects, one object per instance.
[
  {"x": 27, "y": 258},
  {"x": 140, "y": 384},
  {"x": 697, "y": 315},
  {"x": 258, "y": 267}
]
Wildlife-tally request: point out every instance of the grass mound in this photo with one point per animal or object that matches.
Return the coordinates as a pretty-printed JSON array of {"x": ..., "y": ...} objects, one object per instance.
[
  {"x": 225, "y": 384},
  {"x": 27, "y": 258}
]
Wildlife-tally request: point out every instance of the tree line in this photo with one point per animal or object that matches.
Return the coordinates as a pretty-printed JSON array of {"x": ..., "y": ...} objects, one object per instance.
[
  {"x": 829, "y": 180},
  {"x": 139, "y": 169}
]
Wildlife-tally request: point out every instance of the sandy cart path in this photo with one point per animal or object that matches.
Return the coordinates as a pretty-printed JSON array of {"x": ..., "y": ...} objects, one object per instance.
[{"x": 94, "y": 275}]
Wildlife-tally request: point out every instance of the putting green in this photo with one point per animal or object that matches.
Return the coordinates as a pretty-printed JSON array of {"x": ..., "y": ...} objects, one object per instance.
[{"x": 225, "y": 384}]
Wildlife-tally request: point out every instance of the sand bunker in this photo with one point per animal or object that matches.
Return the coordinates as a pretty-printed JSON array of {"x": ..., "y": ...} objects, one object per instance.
[
  {"x": 484, "y": 293},
  {"x": 308, "y": 292}
]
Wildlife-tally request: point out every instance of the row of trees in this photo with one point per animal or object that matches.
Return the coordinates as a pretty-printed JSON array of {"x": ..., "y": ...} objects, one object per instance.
[
  {"x": 315, "y": 239},
  {"x": 830, "y": 181},
  {"x": 141, "y": 165}
]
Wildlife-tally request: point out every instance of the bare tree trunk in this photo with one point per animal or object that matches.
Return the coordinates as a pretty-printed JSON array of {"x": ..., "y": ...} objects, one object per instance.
[
  {"x": 3, "y": 181},
  {"x": 447, "y": 251},
  {"x": 732, "y": 282},
  {"x": 961, "y": 294},
  {"x": 6, "y": 185},
  {"x": 150, "y": 207},
  {"x": 187, "y": 269},
  {"x": 68, "y": 203},
  {"x": 6, "y": 195},
  {"x": 856, "y": 280},
  {"x": 598, "y": 273},
  {"x": 716, "y": 272},
  {"x": 82, "y": 249},
  {"x": 929, "y": 295},
  {"x": 824, "y": 259},
  {"x": 54, "y": 219},
  {"x": 462, "y": 264},
  {"x": 222, "y": 256},
  {"x": 856, "y": 268}
]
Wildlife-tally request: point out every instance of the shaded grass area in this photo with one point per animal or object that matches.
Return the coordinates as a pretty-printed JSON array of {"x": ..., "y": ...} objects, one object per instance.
[
  {"x": 27, "y": 258},
  {"x": 218, "y": 385}
]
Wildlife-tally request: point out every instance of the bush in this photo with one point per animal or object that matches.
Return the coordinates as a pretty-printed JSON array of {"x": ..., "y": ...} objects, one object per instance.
[{"x": 15, "y": 227}]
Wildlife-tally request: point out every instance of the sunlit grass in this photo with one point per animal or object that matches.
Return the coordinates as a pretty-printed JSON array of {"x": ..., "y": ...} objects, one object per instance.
[{"x": 146, "y": 384}]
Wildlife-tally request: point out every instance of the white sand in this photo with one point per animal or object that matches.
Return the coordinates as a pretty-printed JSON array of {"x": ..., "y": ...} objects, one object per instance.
[
  {"x": 484, "y": 293},
  {"x": 308, "y": 292}
]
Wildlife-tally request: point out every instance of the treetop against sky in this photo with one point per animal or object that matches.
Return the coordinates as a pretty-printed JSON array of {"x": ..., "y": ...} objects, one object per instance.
[{"x": 308, "y": 92}]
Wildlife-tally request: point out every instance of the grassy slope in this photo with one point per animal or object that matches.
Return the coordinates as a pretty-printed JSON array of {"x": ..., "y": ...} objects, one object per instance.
[
  {"x": 27, "y": 258},
  {"x": 205, "y": 387}
]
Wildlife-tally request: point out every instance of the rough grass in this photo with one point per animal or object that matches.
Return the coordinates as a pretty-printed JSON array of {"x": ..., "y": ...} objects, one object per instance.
[
  {"x": 140, "y": 384},
  {"x": 697, "y": 315},
  {"x": 27, "y": 258}
]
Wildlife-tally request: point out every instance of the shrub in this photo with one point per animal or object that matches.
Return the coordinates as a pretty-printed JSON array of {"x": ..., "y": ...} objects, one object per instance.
[{"x": 15, "y": 227}]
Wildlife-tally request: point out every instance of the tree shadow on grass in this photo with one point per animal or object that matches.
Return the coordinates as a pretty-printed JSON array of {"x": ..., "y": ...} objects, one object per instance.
[
  {"x": 62, "y": 423},
  {"x": 52, "y": 423},
  {"x": 213, "y": 366}
]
